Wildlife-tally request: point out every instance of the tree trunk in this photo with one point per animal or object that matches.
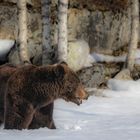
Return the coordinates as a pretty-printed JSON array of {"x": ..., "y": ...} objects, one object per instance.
[
  {"x": 134, "y": 35},
  {"x": 46, "y": 37},
  {"x": 22, "y": 23},
  {"x": 62, "y": 30}
]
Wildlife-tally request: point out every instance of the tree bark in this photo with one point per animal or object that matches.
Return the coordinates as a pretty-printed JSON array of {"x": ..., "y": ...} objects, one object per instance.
[
  {"x": 134, "y": 35},
  {"x": 22, "y": 23},
  {"x": 62, "y": 30},
  {"x": 46, "y": 37}
]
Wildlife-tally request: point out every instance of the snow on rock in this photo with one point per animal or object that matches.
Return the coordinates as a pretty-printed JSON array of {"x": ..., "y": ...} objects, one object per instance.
[
  {"x": 90, "y": 60},
  {"x": 5, "y": 46},
  {"x": 108, "y": 58},
  {"x": 78, "y": 55},
  {"x": 138, "y": 56}
]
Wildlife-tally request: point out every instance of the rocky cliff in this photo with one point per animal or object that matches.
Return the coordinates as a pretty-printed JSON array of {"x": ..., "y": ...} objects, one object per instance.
[{"x": 104, "y": 25}]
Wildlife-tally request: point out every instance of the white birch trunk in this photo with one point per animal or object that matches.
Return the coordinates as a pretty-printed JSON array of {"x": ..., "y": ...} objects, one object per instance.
[
  {"x": 46, "y": 25},
  {"x": 134, "y": 35},
  {"x": 62, "y": 30},
  {"x": 22, "y": 23}
]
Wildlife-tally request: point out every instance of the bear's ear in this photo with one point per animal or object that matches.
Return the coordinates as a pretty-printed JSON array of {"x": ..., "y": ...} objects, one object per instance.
[{"x": 59, "y": 71}]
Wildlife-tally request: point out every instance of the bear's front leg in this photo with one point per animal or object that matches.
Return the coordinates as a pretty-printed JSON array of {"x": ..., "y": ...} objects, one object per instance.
[
  {"x": 18, "y": 116},
  {"x": 43, "y": 117}
]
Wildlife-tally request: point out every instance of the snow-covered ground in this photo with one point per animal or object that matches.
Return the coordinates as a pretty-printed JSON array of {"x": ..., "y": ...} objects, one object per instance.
[{"x": 114, "y": 116}]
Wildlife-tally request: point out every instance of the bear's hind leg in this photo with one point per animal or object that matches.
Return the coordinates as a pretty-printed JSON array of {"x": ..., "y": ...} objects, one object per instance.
[
  {"x": 1, "y": 112},
  {"x": 1, "y": 117}
]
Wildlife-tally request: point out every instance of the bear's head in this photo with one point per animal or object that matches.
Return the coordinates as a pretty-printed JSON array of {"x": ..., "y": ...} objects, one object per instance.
[
  {"x": 72, "y": 89},
  {"x": 60, "y": 82}
]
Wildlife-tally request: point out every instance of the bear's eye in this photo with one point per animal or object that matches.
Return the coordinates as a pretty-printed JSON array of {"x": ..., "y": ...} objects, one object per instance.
[
  {"x": 78, "y": 98},
  {"x": 70, "y": 89}
]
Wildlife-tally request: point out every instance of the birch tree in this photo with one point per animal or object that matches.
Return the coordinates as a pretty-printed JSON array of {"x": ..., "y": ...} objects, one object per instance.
[
  {"x": 62, "y": 30},
  {"x": 22, "y": 23},
  {"x": 134, "y": 35},
  {"x": 46, "y": 25}
]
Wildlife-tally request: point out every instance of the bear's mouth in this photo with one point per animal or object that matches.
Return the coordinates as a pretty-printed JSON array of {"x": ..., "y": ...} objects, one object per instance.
[{"x": 77, "y": 101}]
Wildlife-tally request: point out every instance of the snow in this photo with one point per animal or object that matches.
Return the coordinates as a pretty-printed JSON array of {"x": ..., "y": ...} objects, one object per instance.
[
  {"x": 108, "y": 58},
  {"x": 5, "y": 46},
  {"x": 96, "y": 57},
  {"x": 114, "y": 116}
]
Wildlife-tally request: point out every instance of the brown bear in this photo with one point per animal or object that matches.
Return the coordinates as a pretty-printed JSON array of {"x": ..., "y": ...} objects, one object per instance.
[
  {"x": 31, "y": 88},
  {"x": 42, "y": 118}
]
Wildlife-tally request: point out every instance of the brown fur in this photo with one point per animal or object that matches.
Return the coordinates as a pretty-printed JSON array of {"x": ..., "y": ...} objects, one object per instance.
[
  {"x": 5, "y": 72},
  {"x": 31, "y": 88},
  {"x": 42, "y": 117}
]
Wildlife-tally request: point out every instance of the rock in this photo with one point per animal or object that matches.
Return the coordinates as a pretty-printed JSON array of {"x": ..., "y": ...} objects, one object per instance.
[
  {"x": 80, "y": 4},
  {"x": 11, "y": 1},
  {"x": 7, "y": 33},
  {"x": 78, "y": 22},
  {"x": 35, "y": 35},
  {"x": 13, "y": 56},
  {"x": 97, "y": 75},
  {"x": 34, "y": 3},
  {"x": 93, "y": 76},
  {"x": 108, "y": 31},
  {"x": 78, "y": 52},
  {"x": 34, "y": 53},
  {"x": 105, "y": 31},
  {"x": 136, "y": 72},
  {"x": 102, "y": 5},
  {"x": 9, "y": 30},
  {"x": 8, "y": 22},
  {"x": 123, "y": 75}
]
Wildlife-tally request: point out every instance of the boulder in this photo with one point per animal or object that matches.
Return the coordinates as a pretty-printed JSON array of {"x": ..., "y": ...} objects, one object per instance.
[
  {"x": 109, "y": 31},
  {"x": 78, "y": 52},
  {"x": 93, "y": 76},
  {"x": 78, "y": 22},
  {"x": 34, "y": 3},
  {"x": 123, "y": 75}
]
